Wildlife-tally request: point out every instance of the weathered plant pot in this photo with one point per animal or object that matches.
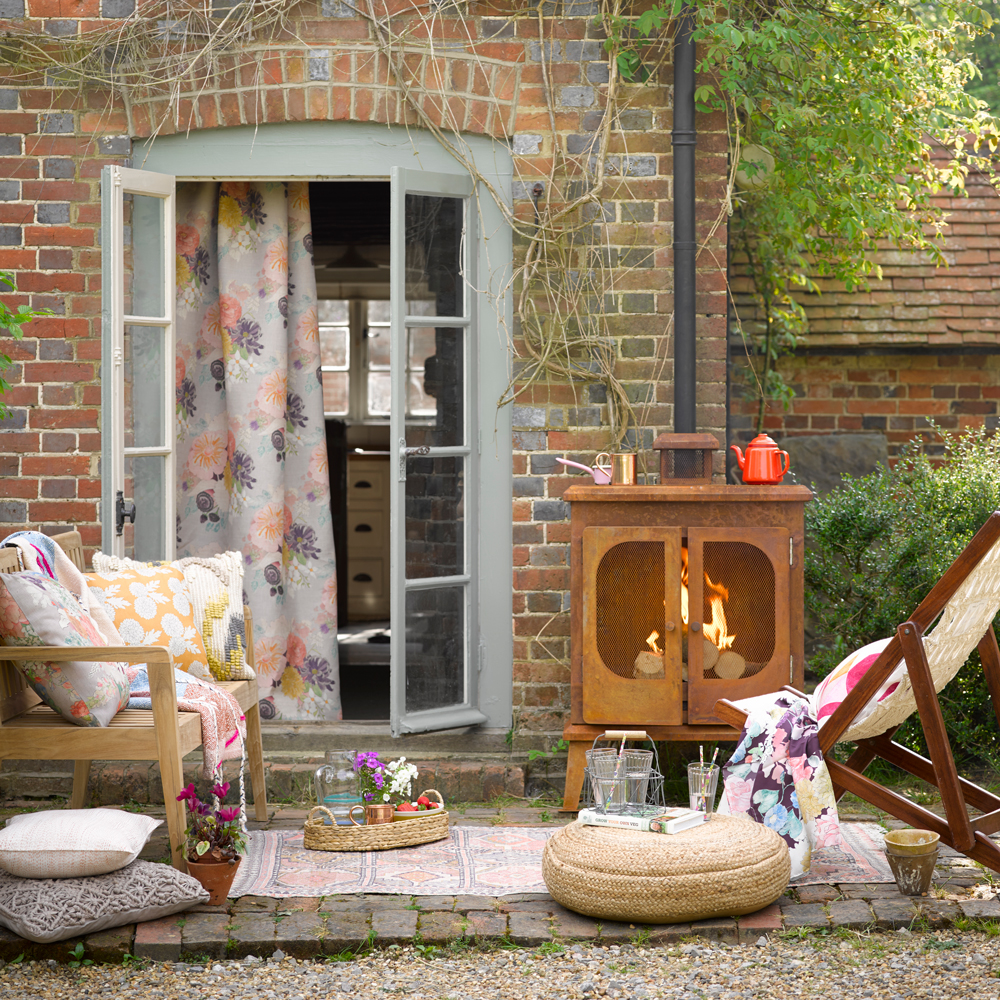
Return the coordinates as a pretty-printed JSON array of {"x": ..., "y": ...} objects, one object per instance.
[
  {"x": 215, "y": 876},
  {"x": 913, "y": 842},
  {"x": 912, "y": 872}
]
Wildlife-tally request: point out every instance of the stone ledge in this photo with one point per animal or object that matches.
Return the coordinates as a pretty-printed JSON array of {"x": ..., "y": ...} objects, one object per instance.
[{"x": 311, "y": 928}]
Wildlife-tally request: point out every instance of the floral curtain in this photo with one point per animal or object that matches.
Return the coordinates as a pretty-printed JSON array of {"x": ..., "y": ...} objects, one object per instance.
[{"x": 251, "y": 443}]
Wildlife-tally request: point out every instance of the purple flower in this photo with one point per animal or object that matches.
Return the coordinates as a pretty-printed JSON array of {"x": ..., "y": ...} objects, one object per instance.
[
  {"x": 301, "y": 540},
  {"x": 186, "y": 394},
  {"x": 200, "y": 265},
  {"x": 316, "y": 671},
  {"x": 220, "y": 791},
  {"x": 241, "y": 467},
  {"x": 228, "y": 813},
  {"x": 295, "y": 411},
  {"x": 254, "y": 206},
  {"x": 247, "y": 336}
]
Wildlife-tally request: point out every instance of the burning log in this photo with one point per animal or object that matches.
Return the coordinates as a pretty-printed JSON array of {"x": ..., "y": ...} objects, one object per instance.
[
  {"x": 650, "y": 666},
  {"x": 730, "y": 666}
]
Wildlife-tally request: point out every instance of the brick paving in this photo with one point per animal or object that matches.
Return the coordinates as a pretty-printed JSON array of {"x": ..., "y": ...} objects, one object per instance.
[{"x": 313, "y": 928}]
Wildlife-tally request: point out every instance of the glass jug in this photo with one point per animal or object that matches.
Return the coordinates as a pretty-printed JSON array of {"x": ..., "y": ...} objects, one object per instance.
[{"x": 337, "y": 784}]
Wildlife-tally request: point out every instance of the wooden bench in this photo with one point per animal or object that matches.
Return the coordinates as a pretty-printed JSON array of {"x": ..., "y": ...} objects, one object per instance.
[{"x": 30, "y": 730}]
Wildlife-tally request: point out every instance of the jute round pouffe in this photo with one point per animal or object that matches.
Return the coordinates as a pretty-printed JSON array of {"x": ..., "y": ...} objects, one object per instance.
[{"x": 723, "y": 868}]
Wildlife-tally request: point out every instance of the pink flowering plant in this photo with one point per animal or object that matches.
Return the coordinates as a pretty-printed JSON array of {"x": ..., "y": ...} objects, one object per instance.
[{"x": 213, "y": 834}]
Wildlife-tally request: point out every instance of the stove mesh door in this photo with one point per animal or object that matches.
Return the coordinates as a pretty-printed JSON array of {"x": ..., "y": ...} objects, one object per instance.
[{"x": 631, "y": 655}]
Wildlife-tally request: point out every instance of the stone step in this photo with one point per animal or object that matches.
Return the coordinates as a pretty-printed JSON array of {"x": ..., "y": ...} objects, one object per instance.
[
  {"x": 289, "y": 776},
  {"x": 471, "y": 764}
]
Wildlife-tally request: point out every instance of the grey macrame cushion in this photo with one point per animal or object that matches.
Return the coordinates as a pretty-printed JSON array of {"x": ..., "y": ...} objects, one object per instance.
[{"x": 53, "y": 909}]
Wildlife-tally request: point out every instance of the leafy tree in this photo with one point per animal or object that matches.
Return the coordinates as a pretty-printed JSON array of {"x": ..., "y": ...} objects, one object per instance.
[
  {"x": 11, "y": 322},
  {"x": 849, "y": 97}
]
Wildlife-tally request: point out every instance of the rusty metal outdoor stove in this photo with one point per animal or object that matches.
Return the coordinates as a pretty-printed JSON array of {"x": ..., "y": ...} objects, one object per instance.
[{"x": 682, "y": 593}]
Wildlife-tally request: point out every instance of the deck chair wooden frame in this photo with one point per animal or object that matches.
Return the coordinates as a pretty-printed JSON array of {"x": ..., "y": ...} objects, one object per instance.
[
  {"x": 958, "y": 830},
  {"x": 30, "y": 730}
]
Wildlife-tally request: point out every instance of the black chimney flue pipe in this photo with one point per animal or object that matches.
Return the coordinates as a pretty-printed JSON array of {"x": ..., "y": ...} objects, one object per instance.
[{"x": 683, "y": 138}]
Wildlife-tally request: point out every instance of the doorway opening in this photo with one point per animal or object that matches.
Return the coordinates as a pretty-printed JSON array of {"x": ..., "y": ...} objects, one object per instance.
[{"x": 351, "y": 246}]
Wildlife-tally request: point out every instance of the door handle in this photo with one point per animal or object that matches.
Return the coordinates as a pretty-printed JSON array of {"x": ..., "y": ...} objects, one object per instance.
[
  {"x": 405, "y": 453},
  {"x": 123, "y": 511}
]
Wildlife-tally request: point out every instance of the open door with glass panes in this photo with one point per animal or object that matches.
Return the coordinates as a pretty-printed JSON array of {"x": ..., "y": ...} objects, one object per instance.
[
  {"x": 137, "y": 376},
  {"x": 433, "y": 469}
]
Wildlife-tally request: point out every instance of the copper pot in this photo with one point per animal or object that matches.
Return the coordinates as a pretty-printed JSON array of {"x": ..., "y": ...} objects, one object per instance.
[
  {"x": 623, "y": 469},
  {"x": 376, "y": 812}
]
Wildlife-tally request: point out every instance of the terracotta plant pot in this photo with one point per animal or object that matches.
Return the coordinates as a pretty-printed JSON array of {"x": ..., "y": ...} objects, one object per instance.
[{"x": 215, "y": 876}]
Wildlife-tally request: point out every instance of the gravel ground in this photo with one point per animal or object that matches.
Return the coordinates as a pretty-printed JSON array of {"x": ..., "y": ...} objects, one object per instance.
[{"x": 885, "y": 966}]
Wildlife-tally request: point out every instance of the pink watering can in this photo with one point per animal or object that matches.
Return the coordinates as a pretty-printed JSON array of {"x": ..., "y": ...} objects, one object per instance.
[{"x": 601, "y": 473}]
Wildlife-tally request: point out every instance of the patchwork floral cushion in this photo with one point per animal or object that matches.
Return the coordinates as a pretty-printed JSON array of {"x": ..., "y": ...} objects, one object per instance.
[
  {"x": 836, "y": 686},
  {"x": 151, "y": 606},
  {"x": 37, "y": 611},
  {"x": 215, "y": 584}
]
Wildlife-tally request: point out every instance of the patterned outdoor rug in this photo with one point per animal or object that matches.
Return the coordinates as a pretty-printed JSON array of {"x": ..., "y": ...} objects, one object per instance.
[
  {"x": 861, "y": 859},
  {"x": 477, "y": 861},
  {"x": 474, "y": 860}
]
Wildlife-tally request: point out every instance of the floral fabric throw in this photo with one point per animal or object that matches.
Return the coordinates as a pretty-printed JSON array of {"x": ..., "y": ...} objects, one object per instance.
[
  {"x": 777, "y": 776},
  {"x": 251, "y": 441}
]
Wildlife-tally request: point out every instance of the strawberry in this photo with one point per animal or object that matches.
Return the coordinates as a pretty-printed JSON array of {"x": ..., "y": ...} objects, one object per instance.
[
  {"x": 406, "y": 807},
  {"x": 424, "y": 801}
]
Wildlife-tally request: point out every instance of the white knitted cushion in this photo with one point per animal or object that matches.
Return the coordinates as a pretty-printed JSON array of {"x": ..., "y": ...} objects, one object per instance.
[
  {"x": 215, "y": 586},
  {"x": 46, "y": 910},
  {"x": 70, "y": 843}
]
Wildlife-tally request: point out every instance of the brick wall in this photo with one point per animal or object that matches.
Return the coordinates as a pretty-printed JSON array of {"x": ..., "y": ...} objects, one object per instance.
[
  {"x": 487, "y": 79},
  {"x": 921, "y": 344}
]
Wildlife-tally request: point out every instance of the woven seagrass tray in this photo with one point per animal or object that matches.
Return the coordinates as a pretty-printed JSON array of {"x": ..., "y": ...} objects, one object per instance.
[{"x": 422, "y": 829}]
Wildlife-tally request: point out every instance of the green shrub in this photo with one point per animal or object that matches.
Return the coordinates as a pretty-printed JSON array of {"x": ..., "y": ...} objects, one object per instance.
[{"x": 878, "y": 544}]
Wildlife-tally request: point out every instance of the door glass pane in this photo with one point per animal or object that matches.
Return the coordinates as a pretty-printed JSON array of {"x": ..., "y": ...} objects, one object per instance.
[
  {"x": 434, "y": 252},
  {"x": 147, "y": 256},
  {"x": 435, "y": 533},
  {"x": 436, "y": 387},
  {"x": 149, "y": 489},
  {"x": 435, "y": 648},
  {"x": 145, "y": 380}
]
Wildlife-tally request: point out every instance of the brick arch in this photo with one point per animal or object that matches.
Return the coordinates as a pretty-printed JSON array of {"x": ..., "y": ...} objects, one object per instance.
[{"x": 460, "y": 91}]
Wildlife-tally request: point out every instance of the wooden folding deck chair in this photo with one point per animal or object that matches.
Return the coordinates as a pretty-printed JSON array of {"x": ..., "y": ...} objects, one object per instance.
[
  {"x": 963, "y": 604},
  {"x": 30, "y": 730}
]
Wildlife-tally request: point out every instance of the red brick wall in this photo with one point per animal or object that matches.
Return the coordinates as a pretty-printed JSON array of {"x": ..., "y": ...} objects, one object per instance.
[
  {"x": 53, "y": 143},
  {"x": 922, "y": 344}
]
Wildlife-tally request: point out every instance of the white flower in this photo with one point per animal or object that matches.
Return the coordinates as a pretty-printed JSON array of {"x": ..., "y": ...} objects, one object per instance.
[
  {"x": 135, "y": 634},
  {"x": 182, "y": 603},
  {"x": 108, "y": 596},
  {"x": 145, "y": 598},
  {"x": 385, "y": 796}
]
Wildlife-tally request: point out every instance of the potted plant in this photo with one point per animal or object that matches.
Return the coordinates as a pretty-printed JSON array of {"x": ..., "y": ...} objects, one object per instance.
[{"x": 214, "y": 843}]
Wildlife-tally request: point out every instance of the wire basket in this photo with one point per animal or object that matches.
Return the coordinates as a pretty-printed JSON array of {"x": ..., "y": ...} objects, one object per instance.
[{"x": 624, "y": 780}]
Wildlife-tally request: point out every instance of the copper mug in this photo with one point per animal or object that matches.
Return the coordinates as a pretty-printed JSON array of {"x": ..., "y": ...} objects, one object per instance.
[
  {"x": 623, "y": 470},
  {"x": 375, "y": 812}
]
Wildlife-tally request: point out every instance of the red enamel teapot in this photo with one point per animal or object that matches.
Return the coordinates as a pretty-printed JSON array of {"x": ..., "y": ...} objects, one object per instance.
[{"x": 762, "y": 465}]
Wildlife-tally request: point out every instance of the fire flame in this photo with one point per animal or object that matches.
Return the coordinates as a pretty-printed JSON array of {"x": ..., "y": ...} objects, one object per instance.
[
  {"x": 651, "y": 640},
  {"x": 715, "y": 631}
]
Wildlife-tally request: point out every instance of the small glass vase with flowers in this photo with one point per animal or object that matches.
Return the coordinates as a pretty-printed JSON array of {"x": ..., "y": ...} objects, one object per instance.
[
  {"x": 215, "y": 841},
  {"x": 386, "y": 789}
]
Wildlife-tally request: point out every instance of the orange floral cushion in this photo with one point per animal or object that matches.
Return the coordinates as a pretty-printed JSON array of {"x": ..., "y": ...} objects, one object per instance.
[{"x": 151, "y": 606}]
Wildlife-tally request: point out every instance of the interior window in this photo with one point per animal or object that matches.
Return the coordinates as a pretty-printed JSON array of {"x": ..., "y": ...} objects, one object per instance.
[
  {"x": 335, "y": 355},
  {"x": 343, "y": 323}
]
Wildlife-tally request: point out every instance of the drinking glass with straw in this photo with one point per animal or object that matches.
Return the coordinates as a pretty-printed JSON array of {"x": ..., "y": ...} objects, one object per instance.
[{"x": 702, "y": 781}]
